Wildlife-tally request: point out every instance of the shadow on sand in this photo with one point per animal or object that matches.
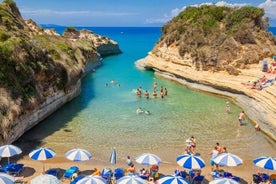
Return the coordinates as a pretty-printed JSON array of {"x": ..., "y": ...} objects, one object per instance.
[{"x": 27, "y": 171}]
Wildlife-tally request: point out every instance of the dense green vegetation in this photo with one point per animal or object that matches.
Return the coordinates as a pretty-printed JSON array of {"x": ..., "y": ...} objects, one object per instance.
[
  {"x": 209, "y": 19},
  {"x": 37, "y": 64},
  {"x": 211, "y": 34},
  {"x": 30, "y": 66}
]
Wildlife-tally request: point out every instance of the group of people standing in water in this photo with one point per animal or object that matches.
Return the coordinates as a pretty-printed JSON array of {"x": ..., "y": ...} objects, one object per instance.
[{"x": 163, "y": 92}]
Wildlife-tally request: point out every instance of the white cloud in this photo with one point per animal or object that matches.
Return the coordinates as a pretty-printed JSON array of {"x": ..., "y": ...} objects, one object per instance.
[
  {"x": 176, "y": 11},
  {"x": 166, "y": 17},
  {"x": 223, "y": 3},
  {"x": 269, "y": 6}
]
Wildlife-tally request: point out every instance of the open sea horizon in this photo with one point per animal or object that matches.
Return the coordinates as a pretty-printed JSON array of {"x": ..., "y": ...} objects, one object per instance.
[{"x": 105, "y": 117}]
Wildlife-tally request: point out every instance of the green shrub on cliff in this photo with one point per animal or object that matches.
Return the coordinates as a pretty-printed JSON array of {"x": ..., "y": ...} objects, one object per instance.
[
  {"x": 207, "y": 32},
  {"x": 244, "y": 15}
]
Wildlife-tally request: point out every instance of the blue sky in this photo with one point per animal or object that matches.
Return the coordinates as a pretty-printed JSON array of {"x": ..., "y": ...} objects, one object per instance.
[{"x": 120, "y": 12}]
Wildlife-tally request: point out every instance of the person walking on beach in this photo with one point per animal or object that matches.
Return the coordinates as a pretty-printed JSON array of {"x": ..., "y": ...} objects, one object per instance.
[
  {"x": 193, "y": 143},
  {"x": 214, "y": 153},
  {"x": 219, "y": 148},
  {"x": 241, "y": 118},
  {"x": 128, "y": 161}
]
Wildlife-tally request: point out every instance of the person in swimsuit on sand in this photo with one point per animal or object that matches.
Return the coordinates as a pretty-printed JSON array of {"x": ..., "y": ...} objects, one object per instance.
[{"x": 241, "y": 117}]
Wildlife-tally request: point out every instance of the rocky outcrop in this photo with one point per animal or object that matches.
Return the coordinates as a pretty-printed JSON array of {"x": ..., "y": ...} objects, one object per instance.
[
  {"x": 218, "y": 60},
  {"x": 52, "y": 103},
  {"x": 40, "y": 70},
  {"x": 104, "y": 45}
]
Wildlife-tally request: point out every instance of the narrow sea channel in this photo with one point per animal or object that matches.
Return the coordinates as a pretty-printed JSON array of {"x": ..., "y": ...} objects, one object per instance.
[{"x": 105, "y": 117}]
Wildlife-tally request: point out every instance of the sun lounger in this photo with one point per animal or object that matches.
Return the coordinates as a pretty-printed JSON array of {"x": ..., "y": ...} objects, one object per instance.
[
  {"x": 16, "y": 169},
  {"x": 6, "y": 167},
  {"x": 265, "y": 177},
  {"x": 12, "y": 168},
  {"x": 76, "y": 179},
  {"x": 118, "y": 173},
  {"x": 107, "y": 174},
  {"x": 53, "y": 172},
  {"x": 70, "y": 171},
  {"x": 236, "y": 178},
  {"x": 198, "y": 179},
  {"x": 257, "y": 179},
  {"x": 182, "y": 174}
]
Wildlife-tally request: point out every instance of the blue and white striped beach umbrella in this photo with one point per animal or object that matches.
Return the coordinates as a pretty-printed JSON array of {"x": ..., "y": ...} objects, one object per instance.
[
  {"x": 45, "y": 179},
  {"x": 92, "y": 180},
  {"x": 223, "y": 181},
  {"x": 228, "y": 159},
  {"x": 170, "y": 179},
  {"x": 190, "y": 161},
  {"x": 265, "y": 162},
  {"x": 9, "y": 151},
  {"x": 148, "y": 159},
  {"x": 6, "y": 179},
  {"x": 42, "y": 153},
  {"x": 131, "y": 179},
  {"x": 78, "y": 154},
  {"x": 113, "y": 157}
]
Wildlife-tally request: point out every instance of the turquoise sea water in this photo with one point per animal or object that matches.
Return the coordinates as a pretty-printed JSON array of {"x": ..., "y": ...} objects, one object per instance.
[{"x": 105, "y": 117}]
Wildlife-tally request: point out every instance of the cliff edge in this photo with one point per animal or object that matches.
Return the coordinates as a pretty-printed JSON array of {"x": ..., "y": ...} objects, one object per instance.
[
  {"x": 220, "y": 50},
  {"x": 40, "y": 70}
]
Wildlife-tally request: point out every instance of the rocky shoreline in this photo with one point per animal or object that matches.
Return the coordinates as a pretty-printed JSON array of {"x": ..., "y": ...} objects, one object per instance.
[{"x": 259, "y": 106}]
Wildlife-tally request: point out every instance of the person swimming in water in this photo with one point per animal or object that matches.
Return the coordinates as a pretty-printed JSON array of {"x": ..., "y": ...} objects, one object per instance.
[
  {"x": 154, "y": 94},
  {"x": 154, "y": 85},
  {"x": 139, "y": 110},
  {"x": 146, "y": 94},
  {"x": 147, "y": 112}
]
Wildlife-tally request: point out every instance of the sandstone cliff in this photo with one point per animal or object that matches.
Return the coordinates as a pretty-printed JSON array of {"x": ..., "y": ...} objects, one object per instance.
[
  {"x": 221, "y": 48},
  {"x": 40, "y": 70}
]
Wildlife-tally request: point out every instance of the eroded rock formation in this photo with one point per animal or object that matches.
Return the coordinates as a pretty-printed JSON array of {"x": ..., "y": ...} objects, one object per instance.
[{"x": 40, "y": 70}]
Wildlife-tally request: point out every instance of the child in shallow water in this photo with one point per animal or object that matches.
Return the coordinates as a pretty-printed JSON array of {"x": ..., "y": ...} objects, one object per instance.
[{"x": 227, "y": 107}]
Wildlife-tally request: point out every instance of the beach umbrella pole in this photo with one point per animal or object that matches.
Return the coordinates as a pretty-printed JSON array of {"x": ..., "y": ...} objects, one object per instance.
[{"x": 43, "y": 168}]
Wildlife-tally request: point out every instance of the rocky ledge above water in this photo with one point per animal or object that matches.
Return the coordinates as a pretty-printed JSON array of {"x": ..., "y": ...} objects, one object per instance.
[
  {"x": 40, "y": 70},
  {"x": 218, "y": 49}
]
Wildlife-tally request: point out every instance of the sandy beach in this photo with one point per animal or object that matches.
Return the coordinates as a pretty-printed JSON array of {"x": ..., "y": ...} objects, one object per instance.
[{"x": 34, "y": 168}]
